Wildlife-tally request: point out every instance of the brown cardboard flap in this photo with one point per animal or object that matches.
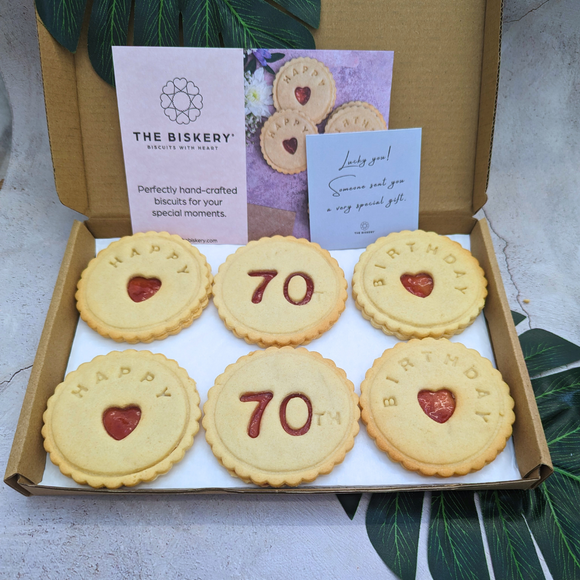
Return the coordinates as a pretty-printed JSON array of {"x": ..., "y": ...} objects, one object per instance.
[
  {"x": 64, "y": 122},
  {"x": 27, "y": 457},
  {"x": 530, "y": 442},
  {"x": 444, "y": 81},
  {"x": 488, "y": 101}
]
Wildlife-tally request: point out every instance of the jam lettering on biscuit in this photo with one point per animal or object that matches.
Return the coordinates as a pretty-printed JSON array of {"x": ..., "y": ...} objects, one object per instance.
[
  {"x": 437, "y": 405},
  {"x": 262, "y": 399},
  {"x": 121, "y": 422},
  {"x": 306, "y": 427},
  {"x": 309, "y": 291},
  {"x": 141, "y": 289},
  {"x": 268, "y": 275}
]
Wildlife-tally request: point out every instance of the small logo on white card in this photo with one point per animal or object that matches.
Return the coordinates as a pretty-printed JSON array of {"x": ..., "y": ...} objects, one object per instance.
[
  {"x": 181, "y": 101},
  {"x": 364, "y": 226}
]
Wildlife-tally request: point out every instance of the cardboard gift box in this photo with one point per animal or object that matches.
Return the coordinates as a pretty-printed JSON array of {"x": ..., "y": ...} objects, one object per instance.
[{"x": 444, "y": 80}]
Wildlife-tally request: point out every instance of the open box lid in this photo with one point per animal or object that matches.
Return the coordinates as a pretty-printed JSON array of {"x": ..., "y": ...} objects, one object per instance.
[{"x": 445, "y": 76}]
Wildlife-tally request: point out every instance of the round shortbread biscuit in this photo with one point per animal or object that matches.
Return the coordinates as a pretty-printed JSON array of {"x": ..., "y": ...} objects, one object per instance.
[
  {"x": 89, "y": 414},
  {"x": 305, "y": 85},
  {"x": 104, "y": 299},
  {"x": 281, "y": 417},
  {"x": 457, "y": 297},
  {"x": 280, "y": 291},
  {"x": 353, "y": 117},
  {"x": 476, "y": 431},
  {"x": 283, "y": 141}
]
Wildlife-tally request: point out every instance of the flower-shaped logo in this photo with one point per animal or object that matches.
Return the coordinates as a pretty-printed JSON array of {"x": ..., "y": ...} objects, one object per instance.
[{"x": 181, "y": 101}]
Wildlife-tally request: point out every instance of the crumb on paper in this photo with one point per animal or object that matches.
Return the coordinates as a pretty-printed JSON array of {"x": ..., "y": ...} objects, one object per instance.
[{"x": 526, "y": 300}]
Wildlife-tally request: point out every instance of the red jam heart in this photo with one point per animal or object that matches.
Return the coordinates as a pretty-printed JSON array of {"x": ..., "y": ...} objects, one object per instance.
[
  {"x": 437, "y": 405},
  {"x": 291, "y": 145},
  {"x": 302, "y": 94},
  {"x": 119, "y": 422},
  {"x": 140, "y": 289},
  {"x": 418, "y": 284}
]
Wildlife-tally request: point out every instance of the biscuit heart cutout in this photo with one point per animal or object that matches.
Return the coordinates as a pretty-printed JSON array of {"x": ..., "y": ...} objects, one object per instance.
[
  {"x": 290, "y": 145},
  {"x": 119, "y": 423},
  {"x": 437, "y": 405},
  {"x": 141, "y": 289},
  {"x": 302, "y": 94},
  {"x": 418, "y": 284}
]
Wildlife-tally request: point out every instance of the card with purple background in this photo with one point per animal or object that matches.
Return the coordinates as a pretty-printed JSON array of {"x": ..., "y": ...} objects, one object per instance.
[{"x": 358, "y": 75}]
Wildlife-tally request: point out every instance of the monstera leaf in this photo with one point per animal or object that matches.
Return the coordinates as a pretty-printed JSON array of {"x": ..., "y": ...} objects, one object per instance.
[
  {"x": 512, "y": 520},
  {"x": 232, "y": 23}
]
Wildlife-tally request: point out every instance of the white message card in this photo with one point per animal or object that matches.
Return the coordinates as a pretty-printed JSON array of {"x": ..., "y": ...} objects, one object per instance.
[
  {"x": 183, "y": 131},
  {"x": 362, "y": 186}
]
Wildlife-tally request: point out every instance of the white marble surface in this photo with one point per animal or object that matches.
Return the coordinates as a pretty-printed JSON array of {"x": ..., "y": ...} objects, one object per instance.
[{"x": 533, "y": 210}]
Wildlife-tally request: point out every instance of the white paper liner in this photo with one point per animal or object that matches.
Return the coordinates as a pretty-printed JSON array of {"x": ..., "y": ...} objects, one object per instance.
[{"x": 207, "y": 347}]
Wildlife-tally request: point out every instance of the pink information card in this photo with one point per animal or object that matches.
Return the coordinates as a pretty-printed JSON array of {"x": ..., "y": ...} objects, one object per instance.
[{"x": 214, "y": 139}]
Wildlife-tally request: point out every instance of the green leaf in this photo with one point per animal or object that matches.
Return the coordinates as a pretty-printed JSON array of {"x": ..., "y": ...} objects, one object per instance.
[
  {"x": 544, "y": 351},
  {"x": 256, "y": 24},
  {"x": 156, "y": 23},
  {"x": 455, "y": 541},
  {"x": 393, "y": 521},
  {"x": 307, "y": 10},
  {"x": 349, "y": 502},
  {"x": 108, "y": 27},
  {"x": 63, "y": 19},
  {"x": 517, "y": 317},
  {"x": 558, "y": 393},
  {"x": 201, "y": 23},
  {"x": 553, "y": 516},
  {"x": 511, "y": 547}
]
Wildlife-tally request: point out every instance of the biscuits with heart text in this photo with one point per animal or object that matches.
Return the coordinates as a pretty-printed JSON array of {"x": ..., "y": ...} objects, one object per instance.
[
  {"x": 121, "y": 419},
  {"x": 416, "y": 284},
  {"x": 305, "y": 85},
  {"x": 144, "y": 287},
  {"x": 437, "y": 407}
]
